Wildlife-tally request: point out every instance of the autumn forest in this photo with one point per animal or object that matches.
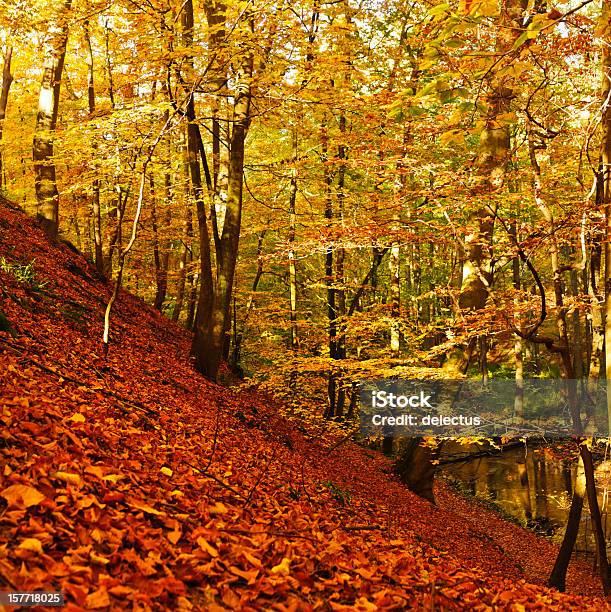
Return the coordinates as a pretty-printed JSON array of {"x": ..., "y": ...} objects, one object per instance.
[{"x": 218, "y": 218}]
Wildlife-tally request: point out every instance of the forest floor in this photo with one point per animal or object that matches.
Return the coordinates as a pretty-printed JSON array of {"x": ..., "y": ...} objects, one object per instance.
[{"x": 134, "y": 483}]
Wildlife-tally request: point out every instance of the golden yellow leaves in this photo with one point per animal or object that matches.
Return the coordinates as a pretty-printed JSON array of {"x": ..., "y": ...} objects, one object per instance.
[
  {"x": 479, "y": 8},
  {"x": 22, "y": 495},
  {"x": 73, "y": 479},
  {"x": 452, "y": 137},
  {"x": 283, "y": 568},
  {"x": 32, "y": 544}
]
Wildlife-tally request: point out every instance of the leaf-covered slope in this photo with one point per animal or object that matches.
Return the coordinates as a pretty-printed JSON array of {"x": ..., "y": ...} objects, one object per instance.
[{"x": 133, "y": 483}]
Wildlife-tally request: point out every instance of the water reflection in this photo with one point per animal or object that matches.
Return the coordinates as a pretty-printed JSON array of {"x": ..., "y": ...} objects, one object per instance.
[{"x": 528, "y": 484}]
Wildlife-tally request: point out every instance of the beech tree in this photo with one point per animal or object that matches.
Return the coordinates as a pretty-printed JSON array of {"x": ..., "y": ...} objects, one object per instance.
[{"x": 54, "y": 55}]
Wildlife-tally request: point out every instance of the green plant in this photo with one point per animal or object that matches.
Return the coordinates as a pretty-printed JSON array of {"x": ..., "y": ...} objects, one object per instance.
[
  {"x": 340, "y": 496},
  {"x": 23, "y": 273}
]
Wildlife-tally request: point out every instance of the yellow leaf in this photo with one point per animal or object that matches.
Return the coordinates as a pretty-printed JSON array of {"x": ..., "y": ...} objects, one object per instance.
[
  {"x": 74, "y": 479},
  {"x": 113, "y": 477},
  {"x": 452, "y": 137},
  {"x": 283, "y": 568},
  {"x": 77, "y": 417},
  {"x": 32, "y": 544},
  {"x": 22, "y": 495},
  {"x": 219, "y": 508},
  {"x": 203, "y": 544},
  {"x": 166, "y": 470}
]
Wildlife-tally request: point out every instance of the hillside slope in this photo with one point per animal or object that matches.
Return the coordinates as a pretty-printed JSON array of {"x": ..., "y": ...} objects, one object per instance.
[{"x": 136, "y": 484}]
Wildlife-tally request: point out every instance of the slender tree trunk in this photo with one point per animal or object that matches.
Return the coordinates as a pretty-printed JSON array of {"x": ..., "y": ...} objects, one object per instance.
[
  {"x": 330, "y": 275},
  {"x": 205, "y": 297},
  {"x": 7, "y": 79},
  {"x": 557, "y": 578},
  {"x": 160, "y": 277},
  {"x": 294, "y": 338},
  {"x": 95, "y": 198},
  {"x": 395, "y": 295},
  {"x": 604, "y": 184},
  {"x": 109, "y": 73},
  {"x": 111, "y": 236},
  {"x": 164, "y": 243},
  {"x": 192, "y": 306},
  {"x": 47, "y": 194},
  {"x": 187, "y": 233},
  {"x": 340, "y": 264}
]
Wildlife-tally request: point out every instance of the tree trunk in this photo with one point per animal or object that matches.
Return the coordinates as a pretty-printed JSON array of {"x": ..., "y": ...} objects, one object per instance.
[
  {"x": 294, "y": 338},
  {"x": 395, "y": 293},
  {"x": 7, "y": 79},
  {"x": 604, "y": 184},
  {"x": 47, "y": 195},
  {"x": 557, "y": 578},
  {"x": 95, "y": 199},
  {"x": 329, "y": 275},
  {"x": 212, "y": 321},
  {"x": 492, "y": 162},
  {"x": 160, "y": 247}
]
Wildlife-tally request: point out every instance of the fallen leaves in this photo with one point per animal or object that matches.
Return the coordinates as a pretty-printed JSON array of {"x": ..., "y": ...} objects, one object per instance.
[
  {"x": 73, "y": 479},
  {"x": 283, "y": 568},
  {"x": 98, "y": 599},
  {"x": 206, "y": 547},
  {"x": 32, "y": 544},
  {"x": 144, "y": 507},
  {"x": 22, "y": 495}
]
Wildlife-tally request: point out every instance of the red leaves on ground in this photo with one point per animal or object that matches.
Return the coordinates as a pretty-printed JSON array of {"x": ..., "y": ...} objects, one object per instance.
[{"x": 136, "y": 484}]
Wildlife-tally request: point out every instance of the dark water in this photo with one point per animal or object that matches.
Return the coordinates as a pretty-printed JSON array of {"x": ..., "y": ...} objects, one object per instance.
[{"x": 531, "y": 486}]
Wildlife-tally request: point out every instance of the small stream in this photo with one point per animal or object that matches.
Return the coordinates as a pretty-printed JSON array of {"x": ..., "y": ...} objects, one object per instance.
[{"x": 528, "y": 484}]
